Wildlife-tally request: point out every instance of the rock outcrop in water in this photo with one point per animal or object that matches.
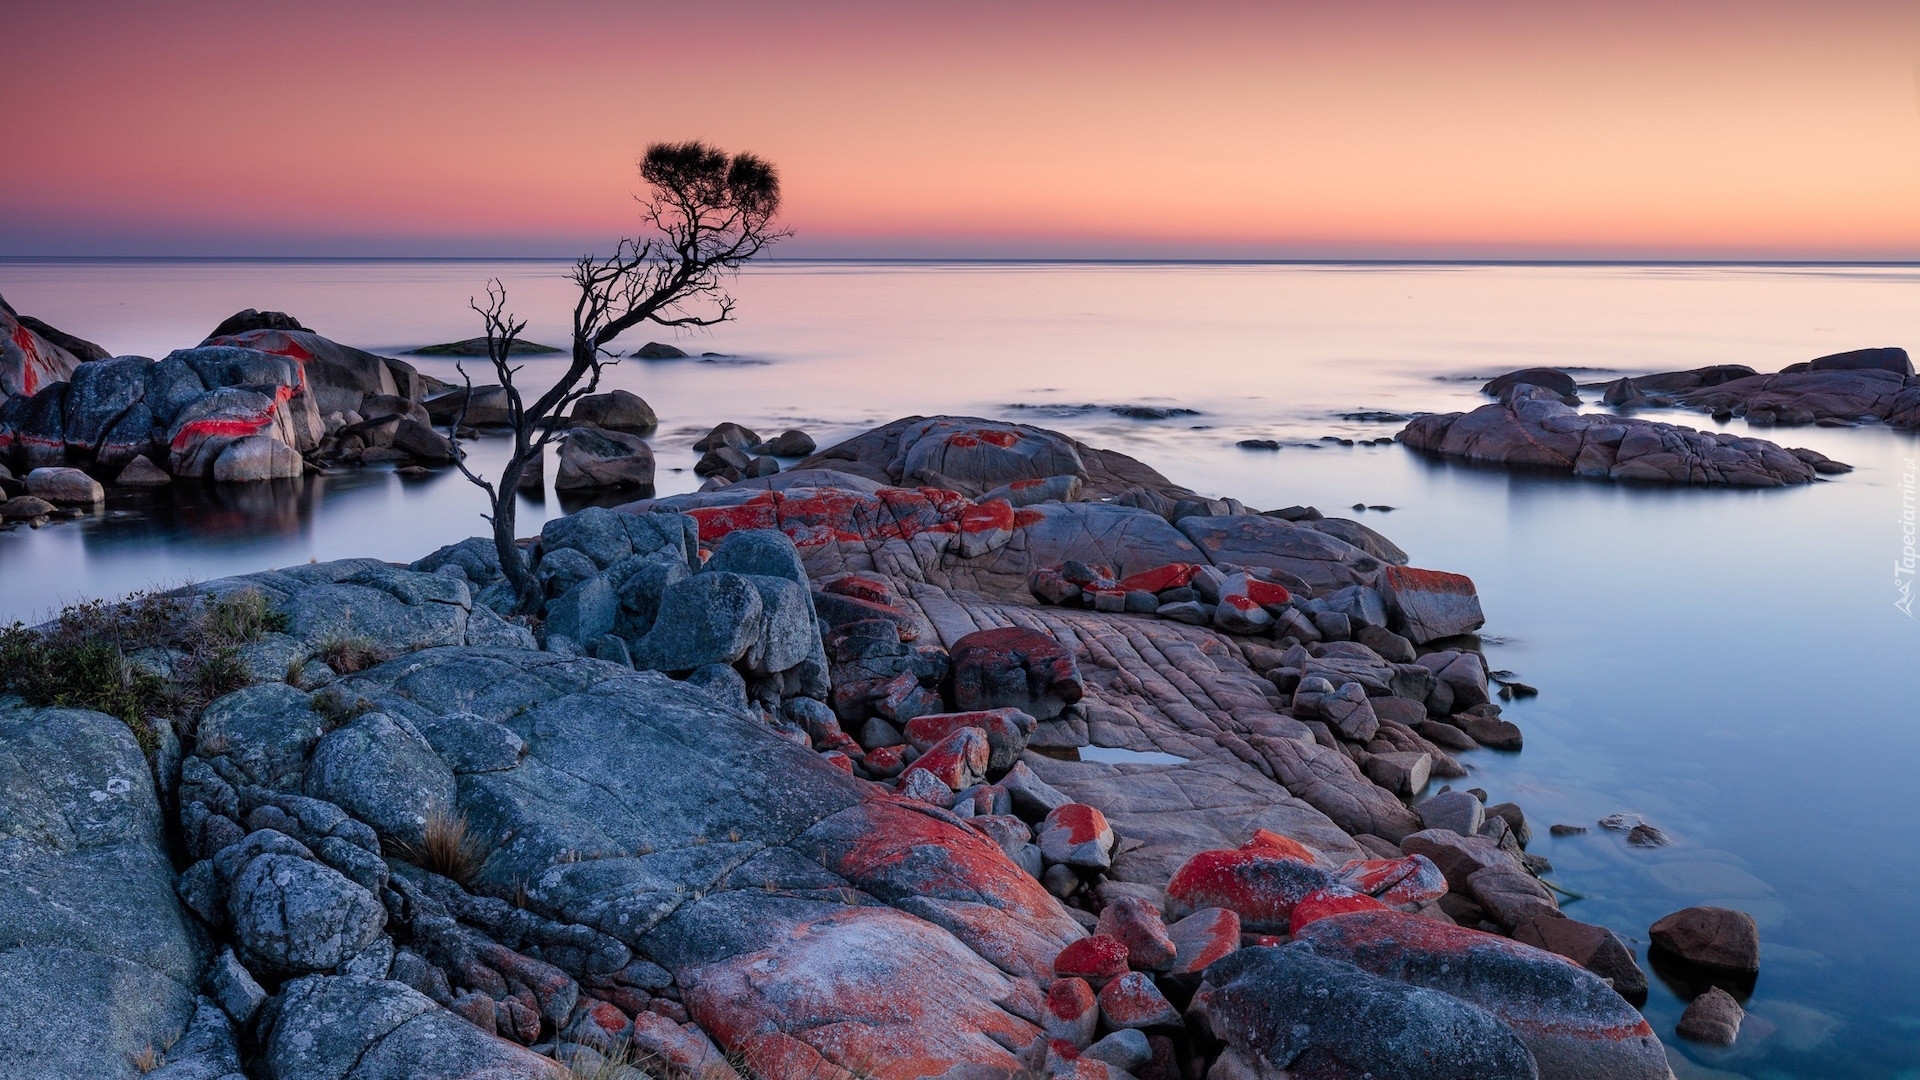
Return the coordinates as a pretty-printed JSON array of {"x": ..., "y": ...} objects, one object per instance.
[
  {"x": 789, "y": 787},
  {"x": 264, "y": 398},
  {"x": 1531, "y": 427}
]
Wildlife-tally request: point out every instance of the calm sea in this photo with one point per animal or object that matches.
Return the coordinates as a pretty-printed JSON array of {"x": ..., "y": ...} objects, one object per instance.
[{"x": 1730, "y": 665}]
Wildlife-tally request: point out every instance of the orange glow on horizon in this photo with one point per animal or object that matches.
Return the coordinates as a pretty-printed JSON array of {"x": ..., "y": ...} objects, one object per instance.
[{"x": 1704, "y": 129}]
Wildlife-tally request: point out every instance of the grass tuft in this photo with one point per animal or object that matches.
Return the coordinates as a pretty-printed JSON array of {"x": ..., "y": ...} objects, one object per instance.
[
  {"x": 336, "y": 711},
  {"x": 350, "y": 653},
  {"x": 448, "y": 848}
]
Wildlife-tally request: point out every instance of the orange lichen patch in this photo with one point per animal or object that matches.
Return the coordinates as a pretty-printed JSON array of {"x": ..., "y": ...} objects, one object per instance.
[
  {"x": 234, "y": 426},
  {"x": 908, "y": 854},
  {"x": 1266, "y": 592},
  {"x": 869, "y": 587},
  {"x": 1269, "y": 841},
  {"x": 868, "y": 988},
  {"x": 1260, "y": 885},
  {"x": 1203, "y": 937},
  {"x": 1069, "y": 998},
  {"x": 1413, "y": 578},
  {"x": 1160, "y": 578},
  {"x": 813, "y": 517},
  {"x": 1082, "y": 822},
  {"x": 1096, "y": 959},
  {"x": 994, "y": 514},
  {"x": 1410, "y": 880},
  {"x": 1333, "y": 900}
]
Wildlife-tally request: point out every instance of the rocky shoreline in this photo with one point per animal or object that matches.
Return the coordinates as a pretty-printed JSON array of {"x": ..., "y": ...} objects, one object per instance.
[{"x": 786, "y": 780}]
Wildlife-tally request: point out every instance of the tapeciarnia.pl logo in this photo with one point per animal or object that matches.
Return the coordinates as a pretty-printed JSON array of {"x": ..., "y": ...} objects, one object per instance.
[{"x": 1903, "y": 567}]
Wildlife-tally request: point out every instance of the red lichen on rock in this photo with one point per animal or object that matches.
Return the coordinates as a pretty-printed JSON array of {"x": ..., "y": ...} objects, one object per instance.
[
  {"x": 1332, "y": 900},
  {"x": 1203, "y": 937},
  {"x": 1273, "y": 843},
  {"x": 1095, "y": 958},
  {"x": 1260, "y": 885},
  {"x": 1160, "y": 578},
  {"x": 1410, "y": 880},
  {"x": 872, "y": 588},
  {"x": 1133, "y": 1001}
]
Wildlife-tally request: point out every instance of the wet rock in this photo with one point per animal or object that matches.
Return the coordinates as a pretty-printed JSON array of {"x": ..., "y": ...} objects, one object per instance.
[
  {"x": 1489, "y": 731},
  {"x": 484, "y": 406},
  {"x": 1014, "y": 668},
  {"x": 1712, "y": 1018},
  {"x": 1595, "y": 948},
  {"x": 1552, "y": 379},
  {"x": 1510, "y": 895},
  {"x": 142, "y": 473},
  {"x": 592, "y": 459},
  {"x": 257, "y": 457},
  {"x": 1713, "y": 937},
  {"x": 1574, "y": 1024},
  {"x": 655, "y": 350},
  {"x": 616, "y": 410},
  {"x": 791, "y": 443},
  {"x": 1292, "y": 1009},
  {"x": 1532, "y": 428},
  {"x": 25, "y": 508},
  {"x": 1403, "y": 773},
  {"x": 63, "y": 485}
]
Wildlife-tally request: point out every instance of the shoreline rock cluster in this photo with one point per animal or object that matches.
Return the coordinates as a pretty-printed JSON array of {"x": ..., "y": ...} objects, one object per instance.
[
  {"x": 261, "y": 398},
  {"x": 1536, "y": 423},
  {"x": 783, "y": 780}
]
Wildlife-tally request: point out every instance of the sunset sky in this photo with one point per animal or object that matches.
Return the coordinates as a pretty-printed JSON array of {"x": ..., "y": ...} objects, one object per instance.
[{"x": 1364, "y": 128}]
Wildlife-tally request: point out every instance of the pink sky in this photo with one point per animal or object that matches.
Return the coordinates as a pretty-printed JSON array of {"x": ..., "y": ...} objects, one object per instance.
[{"x": 1360, "y": 129}]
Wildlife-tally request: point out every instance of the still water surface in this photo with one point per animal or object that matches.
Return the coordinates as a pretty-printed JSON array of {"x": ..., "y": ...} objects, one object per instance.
[{"x": 1730, "y": 665}]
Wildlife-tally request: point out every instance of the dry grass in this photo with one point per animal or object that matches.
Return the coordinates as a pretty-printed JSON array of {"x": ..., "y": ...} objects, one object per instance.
[
  {"x": 350, "y": 653},
  {"x": 336, "y": 711},
  {"x": 447, "y": 848},
  {"x": 147, "y": 1060}
]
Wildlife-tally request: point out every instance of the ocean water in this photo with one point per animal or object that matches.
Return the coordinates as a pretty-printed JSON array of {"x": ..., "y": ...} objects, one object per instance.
[{"x": 1728, "y": 664}]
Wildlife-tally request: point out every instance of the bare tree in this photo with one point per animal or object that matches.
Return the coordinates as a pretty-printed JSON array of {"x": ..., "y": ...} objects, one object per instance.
[{"x": 707, "y": 214}]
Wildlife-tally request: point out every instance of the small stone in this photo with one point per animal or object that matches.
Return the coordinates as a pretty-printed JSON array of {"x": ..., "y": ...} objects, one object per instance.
[
  {"x": 1073, "y": 1013},
  {"x": 1567, "y": 830},
  {"x": 1137, "y": 924},
  {"x": 1076, "y": 835},
  {"x": 64, "y": 485},
  {"x": 1126, "y": 1050},
  {"x": 1133, "y": 1001},
  {"x": 1713, "y": 1018},
  {"x": 231, "y": 985},
  {"x": 142, "y": 473},
  {"x": 1203, "y": 937},
  {"x": 25, "y": 508},
  {"x": 1455, "y": 811},
  {"x": 1644, "y": 835}
]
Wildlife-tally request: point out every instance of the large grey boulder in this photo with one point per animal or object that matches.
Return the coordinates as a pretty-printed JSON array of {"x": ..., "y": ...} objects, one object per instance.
[
  {"x": 1321, "y": 561},
  {"x": 706, "y": 619},
  {"x": 297, "y": 915},
  {"x": 591, "y": 459},
  {"x": 1290, "y": 1008},
  {"x": 98, "y": 959},
  {"x": 265, "y": 730},
  {"x": 353, "y": 1028},
  {"x": 384, "y": 772}
]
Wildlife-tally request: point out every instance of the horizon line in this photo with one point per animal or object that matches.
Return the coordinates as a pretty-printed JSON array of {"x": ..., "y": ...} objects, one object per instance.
[{"x": 926, "y": 260}]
